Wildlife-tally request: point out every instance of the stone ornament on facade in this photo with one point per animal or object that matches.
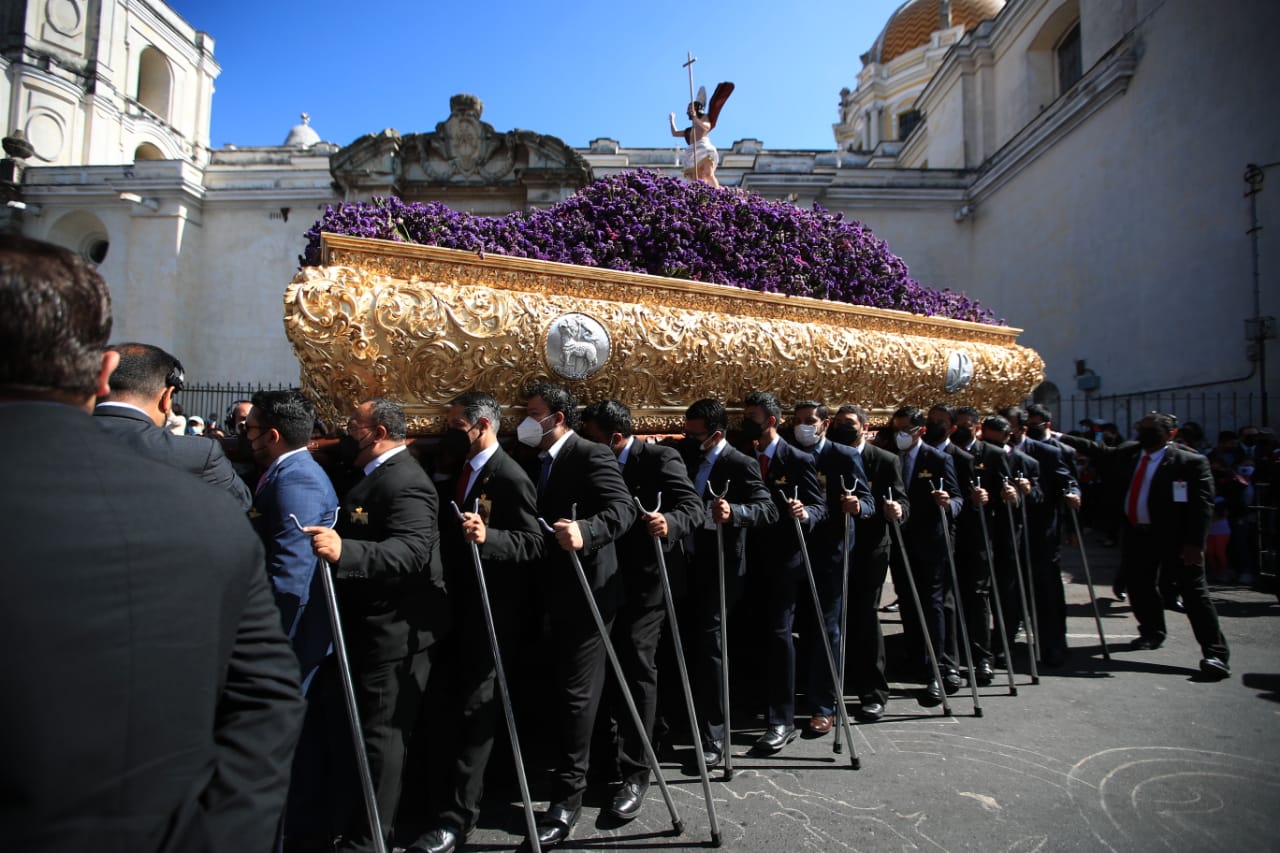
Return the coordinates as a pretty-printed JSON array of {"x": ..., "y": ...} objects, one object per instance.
[{"x": 423, "y": 325}]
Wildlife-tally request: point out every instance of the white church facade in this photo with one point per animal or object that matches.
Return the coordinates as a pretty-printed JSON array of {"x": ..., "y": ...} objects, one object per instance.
[{"x": 1077, "y": 165}]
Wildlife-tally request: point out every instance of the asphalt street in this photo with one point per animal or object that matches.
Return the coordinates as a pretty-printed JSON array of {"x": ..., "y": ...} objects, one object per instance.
[{"x": 1137, "y": 752}]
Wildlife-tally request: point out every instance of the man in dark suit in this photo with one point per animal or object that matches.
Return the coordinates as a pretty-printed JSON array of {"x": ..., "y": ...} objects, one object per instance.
[
  {"x": 745, "y": 504},
  {"x": 500, "y": 516},
  {"x": 1044, "y": 524},
  {"x": 930, "y": 478},
  {"x": 939, "y": 425},
  {"x": 150, "y": 699},
  {"x": 866, "y": 674},
  {"x": 650, "y": 471},
  {"x": 582, "y": 495},
  {"x": 989, "y": 487},
  {"x": 1168, "y": 507},
  {"x": 1008, "y": 531},
  {"x": 141, "y": 398},
  {"x": 385, "y": 555},
  {"x": 839, "y": 467},
  {"x": 278, "y": 429},
  {"x": 773, "y": 557}
]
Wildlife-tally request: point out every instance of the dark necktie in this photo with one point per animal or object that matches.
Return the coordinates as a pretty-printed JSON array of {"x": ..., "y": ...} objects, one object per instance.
[
  {"x": 764, "y": 466},
  {"x": 546, "y": 473},
  {"x": 1136, "y": 489},
  {"x": 463, "y": 480}
]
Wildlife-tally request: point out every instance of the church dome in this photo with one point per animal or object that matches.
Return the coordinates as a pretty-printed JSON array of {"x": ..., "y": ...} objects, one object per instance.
[
  {"x": 915, "y": 22},
  {"x": 302, "y": 135}
]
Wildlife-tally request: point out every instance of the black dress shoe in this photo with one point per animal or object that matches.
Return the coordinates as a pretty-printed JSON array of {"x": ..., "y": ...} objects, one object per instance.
[
  {"x": 713, "y": 755},
  {"x": 1000, "y": 662},
  {"x": 627, "y": 802},
  {"x": 931, "y": 696},
  {"x": 951, "y": 681},
  {"x": 776, "y": 737},
  {"x": 1118, "y": 591},
  {"x": 984, "y": 673},
  {"x": 556, "y": 825},
  {"x": 1215, "y": 668},
  {"x": 442, "y": 840},
  {"x": 870, "y": 709},
  {"x": 1145, "y": 644}
]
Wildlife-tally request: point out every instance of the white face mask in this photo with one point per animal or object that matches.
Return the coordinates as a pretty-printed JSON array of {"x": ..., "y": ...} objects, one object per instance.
[
  {"x": 530, "y": 431},
  {"x": 806, "y": 435},
  {"x": 904, "y": 439}
]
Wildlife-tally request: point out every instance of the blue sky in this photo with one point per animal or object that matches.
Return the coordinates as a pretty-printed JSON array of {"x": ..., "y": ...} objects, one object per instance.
[{"x": 572, "y": 69}]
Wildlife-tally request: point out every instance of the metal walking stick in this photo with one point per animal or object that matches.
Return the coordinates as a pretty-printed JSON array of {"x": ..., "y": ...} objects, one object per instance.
[
  {"x": 501, "y": 675},
  {"x": 854, "y": 761},
  {"x": 964, "y": 627},
  {"x": 676, "y": 824},
  {"x": 727, "y": 750},
  {"x": 1022, "y": 595},
  {"x": 1093, "y": 596},
  {"x": 1031, "y": 576},
  {"x": 915, "y": 596},
  {"x": 994, "y": 594},
  {"x": 670, "y": 603},
  {"x": 837, "y": 744},
  {"x": 349, "y": 694}
]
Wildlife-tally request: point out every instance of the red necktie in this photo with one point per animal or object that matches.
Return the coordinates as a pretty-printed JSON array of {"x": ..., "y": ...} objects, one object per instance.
[
  {"x": 1136, "y": 489},
  {"x": 463, "y": 479},
  {"x": 764, "y": 465}
]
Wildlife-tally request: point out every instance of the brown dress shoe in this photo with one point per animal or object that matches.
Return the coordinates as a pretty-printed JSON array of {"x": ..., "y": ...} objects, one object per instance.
[{"x": 820, "y": 724}]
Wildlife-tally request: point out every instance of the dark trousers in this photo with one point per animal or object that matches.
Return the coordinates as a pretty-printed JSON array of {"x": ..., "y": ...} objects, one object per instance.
[
  {"x": 707, "y": 668},
  {"x": 975, "y": 600},
  {"x": 480, "y": 708},
  {"x": 389, "y": 697},
  {"x": 579, "y": 682},
  {"x": 828, "y": 577},
  {"x": 1051, "y": 602},
  {"x": 782, "y": 584},
  {"x": 928, "y": 568},
  {"x": 636, "y": 632},
  {"x": 865, "y": 670},
  {"x": 1147, "y": 556}
]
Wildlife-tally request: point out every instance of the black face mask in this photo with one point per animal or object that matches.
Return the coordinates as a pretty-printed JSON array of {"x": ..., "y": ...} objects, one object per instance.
[
  {"x": 963, "y": 436},
  {"x": 934, "y": 434},
  {"x": 751, "y": 429},
  {"x": 1037, "y": 432},
  {"x": 348, "y": 449},
  {"x": 1150, "y": 438},
  {"x": 846, "y": 435},
  {"x": 456, "y": 444}
]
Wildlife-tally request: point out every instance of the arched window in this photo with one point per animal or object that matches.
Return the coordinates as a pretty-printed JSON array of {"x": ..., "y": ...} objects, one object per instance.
[
  {"x": 147, "y": 151},
  {"x": 1054, "y": 61},
  {"x": 154, "y": 82},
  {"x": 1067, "y": 54}
]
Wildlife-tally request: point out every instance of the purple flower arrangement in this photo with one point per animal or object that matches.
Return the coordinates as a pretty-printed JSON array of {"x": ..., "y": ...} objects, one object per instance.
[{"x": 640, "y": 221}]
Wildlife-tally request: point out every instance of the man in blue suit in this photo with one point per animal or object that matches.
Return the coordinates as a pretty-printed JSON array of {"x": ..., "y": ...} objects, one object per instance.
[
  {"x": 277, "y": 430},
  {"x": 839, "y": 467}
]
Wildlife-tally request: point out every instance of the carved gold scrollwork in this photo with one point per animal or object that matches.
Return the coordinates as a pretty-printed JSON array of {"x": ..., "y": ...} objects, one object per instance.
[{"x": 423, "y": 325}]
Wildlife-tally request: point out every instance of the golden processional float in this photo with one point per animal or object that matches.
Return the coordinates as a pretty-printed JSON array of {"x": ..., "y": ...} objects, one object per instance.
[{"x": 422, "y": 325}]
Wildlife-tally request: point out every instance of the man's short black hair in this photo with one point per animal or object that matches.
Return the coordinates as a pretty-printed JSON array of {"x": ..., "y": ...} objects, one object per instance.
[
  {"x": 1041, "y": 411},
  {"x": 999, "y": 423},
  {"x": 766, "y": 401},
  {"x": 913, "y": 415},
  {"x": 389, "y": 415},
  {"x": 145, "y": 370},
  {"x": 610, "y": 416},
  {"x": 949, "y": 411},
  {"x": 709, "y": 411},
  {"x": 819, "y": 409},
  {"x": 855, "y": 410},
  {"x": 972, "y": 413},
  {"x": 288, "y": 413},
  {"x": 1014, "y": 415},
  {"x": 558, "y": 399},
  {"x": 55, "y": 320}
]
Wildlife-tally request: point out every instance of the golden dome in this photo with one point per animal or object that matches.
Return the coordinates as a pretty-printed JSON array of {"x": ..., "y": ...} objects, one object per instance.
[{"x": 917, "y": 20}]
